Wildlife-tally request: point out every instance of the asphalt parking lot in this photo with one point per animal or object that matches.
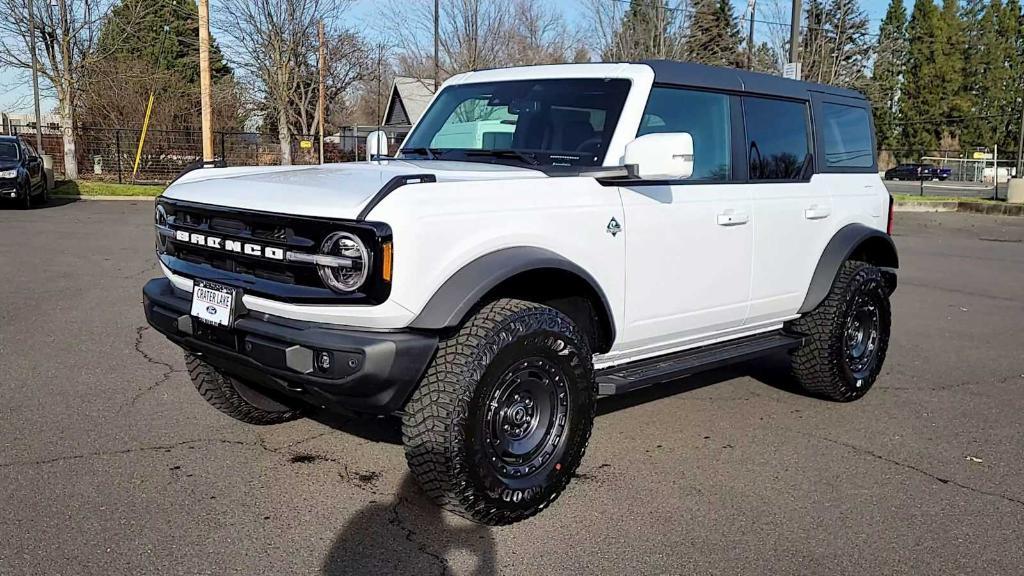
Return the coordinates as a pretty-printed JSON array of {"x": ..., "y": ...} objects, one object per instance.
[{"x": 110, "y": 462}]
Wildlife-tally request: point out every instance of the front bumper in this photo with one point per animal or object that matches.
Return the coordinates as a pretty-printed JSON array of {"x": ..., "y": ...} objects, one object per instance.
[
  {"x": 371, "y": 372},
  {"x": 9, "y": 189}
]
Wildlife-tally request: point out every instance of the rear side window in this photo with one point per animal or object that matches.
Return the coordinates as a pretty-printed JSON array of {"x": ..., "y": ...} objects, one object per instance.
[
  {"x": 847, "y": 136},
  {"x": 705, "y": 116},
  {"x": 777, "y": 139}
]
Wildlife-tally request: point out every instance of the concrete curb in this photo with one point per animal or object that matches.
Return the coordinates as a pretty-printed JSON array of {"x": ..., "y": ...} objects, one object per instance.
[
  {"x": 989, "y": 208},
  {"x": 120, "y": 198}
]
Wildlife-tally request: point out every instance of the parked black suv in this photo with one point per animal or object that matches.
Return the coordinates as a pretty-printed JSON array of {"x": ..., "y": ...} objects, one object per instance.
[
  {"x": 22, "y": 177},
  {"x": 917, "y": 172}
]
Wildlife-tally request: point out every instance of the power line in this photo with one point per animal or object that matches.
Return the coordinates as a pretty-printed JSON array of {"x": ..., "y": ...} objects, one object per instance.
[
  {"x": 692, "y": 11},
  {"x": 953, "y": 119}
]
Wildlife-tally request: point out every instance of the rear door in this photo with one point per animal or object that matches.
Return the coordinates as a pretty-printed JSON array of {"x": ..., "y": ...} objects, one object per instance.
[
  {"x": 688, "y": 243},
  {"x": 792, "y": 213}
]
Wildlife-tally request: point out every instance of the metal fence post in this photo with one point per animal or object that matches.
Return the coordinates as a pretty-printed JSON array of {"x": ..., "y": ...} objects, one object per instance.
[
  {"x": 117, "y": 148},
  {"x": 223, "y": 154}
]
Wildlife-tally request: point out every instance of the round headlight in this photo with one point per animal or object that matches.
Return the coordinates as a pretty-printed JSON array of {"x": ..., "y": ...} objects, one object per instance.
[{"x": 348, "y": 276}]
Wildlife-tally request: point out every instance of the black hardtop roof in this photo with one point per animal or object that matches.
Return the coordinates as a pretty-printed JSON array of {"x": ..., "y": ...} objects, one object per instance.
[
  {"x": 7, "y": 137},
  {"x": 718, "y": 78}
]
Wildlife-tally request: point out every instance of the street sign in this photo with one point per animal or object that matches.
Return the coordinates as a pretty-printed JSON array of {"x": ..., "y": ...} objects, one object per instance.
[
  {"x": 982, "y": 156},
  {"x": 305, "y": 144},
  {"x": 792, "y": 70}
]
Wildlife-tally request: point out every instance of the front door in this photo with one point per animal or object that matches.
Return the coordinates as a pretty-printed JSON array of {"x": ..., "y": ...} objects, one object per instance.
[{"x": 688, "y": 243}]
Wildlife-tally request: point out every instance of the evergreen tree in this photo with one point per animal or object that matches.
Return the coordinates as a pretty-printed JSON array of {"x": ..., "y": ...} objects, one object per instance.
[
  {"x": 714, "y": 36},
  {"x": 991, "y": 84},
  {"x": 949, "y": 79},
  {"x": 1012, "y": 31},
  {"x": 765, "y": 59},
  {"x": 887, "y": 77},
  {"x": 921, "y": 98},
  {"x": 146, "y": 40},
  {"x": 148, "y": 47},
  {"x": 647, "y": 31}
]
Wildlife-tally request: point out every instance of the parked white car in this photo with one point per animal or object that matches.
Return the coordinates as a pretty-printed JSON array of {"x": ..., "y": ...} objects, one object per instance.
[{"x": 547, "y": 235}]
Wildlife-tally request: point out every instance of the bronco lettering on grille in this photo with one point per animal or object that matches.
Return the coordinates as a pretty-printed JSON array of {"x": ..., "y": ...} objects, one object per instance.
[{"x": 246, "y": 248}]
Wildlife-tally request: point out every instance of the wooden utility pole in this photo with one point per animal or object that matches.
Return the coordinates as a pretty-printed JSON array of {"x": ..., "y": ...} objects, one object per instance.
[
  {"x": 794, "y": 33},
  {"x": 35, "y": 76},
  {"x": 437, "y": 42},
  {"x": 750, "y": 36},
  {"x": 204, "y": 79},
  {"x": 320, "y": 105}
]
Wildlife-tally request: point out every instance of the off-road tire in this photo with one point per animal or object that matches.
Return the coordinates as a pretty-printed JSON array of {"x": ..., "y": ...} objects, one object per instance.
[
  {"x": 821, "y": 365},
  {"x": 220, "y": 391},
  {"x": 447, "y": 423}
]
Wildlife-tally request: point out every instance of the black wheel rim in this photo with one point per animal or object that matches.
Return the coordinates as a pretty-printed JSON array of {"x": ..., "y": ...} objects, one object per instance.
[
  {"x": 526, "y": 416},
  {"x": 862, "y": 337}
]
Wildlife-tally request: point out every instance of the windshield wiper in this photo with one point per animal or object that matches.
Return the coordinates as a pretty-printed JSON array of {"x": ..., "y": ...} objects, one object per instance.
[
  {"x": 527, "y": 157},
  {"x": 430, "y": 153}
]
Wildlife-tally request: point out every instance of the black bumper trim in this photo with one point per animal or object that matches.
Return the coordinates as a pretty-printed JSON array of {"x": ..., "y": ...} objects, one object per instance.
[{"x": 372, "y": 372}]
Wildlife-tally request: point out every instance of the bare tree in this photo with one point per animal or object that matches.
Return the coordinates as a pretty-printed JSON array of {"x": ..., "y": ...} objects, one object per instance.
[
  {"x": 273, "y": 43},
  {"x": 66, "y": 43},
  {"x": 348, "y": 58},
  {"x": 626, "y": 31},
  {"x": 477, "y": 34}
]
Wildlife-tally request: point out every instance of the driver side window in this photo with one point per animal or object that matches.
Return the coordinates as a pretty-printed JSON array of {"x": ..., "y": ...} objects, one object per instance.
[{"x": 705, "y": 116}]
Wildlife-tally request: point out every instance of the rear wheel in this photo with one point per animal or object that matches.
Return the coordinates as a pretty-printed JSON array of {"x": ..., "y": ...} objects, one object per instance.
[
  {"x": 502, "y": 418},
  {"x": 847, "y": 335},
  {"x": 234, "y": 397},
  {"x": 44, "y": 194}
]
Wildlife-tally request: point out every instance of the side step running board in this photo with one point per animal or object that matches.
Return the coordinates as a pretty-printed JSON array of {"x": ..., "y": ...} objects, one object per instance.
[{"x": 627, "y": 377}]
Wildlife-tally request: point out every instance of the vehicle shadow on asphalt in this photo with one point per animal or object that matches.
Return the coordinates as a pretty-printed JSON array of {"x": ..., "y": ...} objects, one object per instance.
[
  {"x": 409, "y": 534},
  {"x": 53, "y": 203},
  {"x": 383, "y": 429},
  {"x": 772, "y": 370}
]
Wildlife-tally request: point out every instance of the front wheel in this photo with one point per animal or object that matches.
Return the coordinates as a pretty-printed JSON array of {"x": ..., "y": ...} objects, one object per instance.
[
  {"x": 234, "y": 398},
  {"x": 502, "y": 418},
  {"x": 847, "y": 335},
  {"x": 25, "y": 202}
]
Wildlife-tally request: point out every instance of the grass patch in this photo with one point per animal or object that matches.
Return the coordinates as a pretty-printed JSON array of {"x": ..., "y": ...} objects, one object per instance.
[
  {"x": 928, "y": 198},
  {"x": 88, "y": 188}
]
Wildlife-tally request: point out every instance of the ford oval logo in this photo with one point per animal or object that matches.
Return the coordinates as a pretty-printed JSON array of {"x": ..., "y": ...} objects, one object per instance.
[{"x": 211, "y": 310}]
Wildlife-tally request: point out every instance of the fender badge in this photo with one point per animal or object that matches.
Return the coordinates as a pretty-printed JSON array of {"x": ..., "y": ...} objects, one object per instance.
[{"x": 614, "y": 227}]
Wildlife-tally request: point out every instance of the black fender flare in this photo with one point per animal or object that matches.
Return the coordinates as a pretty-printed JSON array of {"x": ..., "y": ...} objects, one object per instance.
[
  {"x": 839, "y": 249},
  {"x": 453, "y": 301}
]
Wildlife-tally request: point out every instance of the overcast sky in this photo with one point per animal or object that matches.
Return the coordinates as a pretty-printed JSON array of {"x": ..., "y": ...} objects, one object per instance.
[{"x": 16, "y": 86}]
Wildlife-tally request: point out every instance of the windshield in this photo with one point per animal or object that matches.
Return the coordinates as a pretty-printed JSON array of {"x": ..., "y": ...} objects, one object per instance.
[
  {"x": 529, "y": 122},
  {"x": 8, "y": 151}
]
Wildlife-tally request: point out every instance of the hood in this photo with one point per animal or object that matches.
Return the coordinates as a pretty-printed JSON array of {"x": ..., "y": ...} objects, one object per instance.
[
  {"x": 8, "y": 165},
  {"x": 328, "y": 190}
]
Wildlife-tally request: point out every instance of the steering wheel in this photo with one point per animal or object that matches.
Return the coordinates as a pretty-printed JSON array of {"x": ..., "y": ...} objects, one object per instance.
[{"x": 590, "y": 145}]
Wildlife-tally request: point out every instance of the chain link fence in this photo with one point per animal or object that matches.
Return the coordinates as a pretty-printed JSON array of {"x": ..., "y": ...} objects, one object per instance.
[{"x": 109, "y": 154}]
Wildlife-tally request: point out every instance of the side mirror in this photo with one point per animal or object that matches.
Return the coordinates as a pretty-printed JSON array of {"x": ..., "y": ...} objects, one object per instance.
[
  {"x": 665, "y": 156},
  {"x": 376, "y": 144}
]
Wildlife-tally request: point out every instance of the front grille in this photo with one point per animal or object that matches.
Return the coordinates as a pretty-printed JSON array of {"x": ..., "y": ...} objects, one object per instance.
[{"x": 258, "y": 274}]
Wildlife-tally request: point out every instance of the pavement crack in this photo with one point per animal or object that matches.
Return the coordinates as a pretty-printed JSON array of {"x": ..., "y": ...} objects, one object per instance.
[
  {"x": 921, "y": 471},
  {"x": 124, "y": 452},
  {"x": 168, "y": 369},
  {"x": 398, "y": 522}
]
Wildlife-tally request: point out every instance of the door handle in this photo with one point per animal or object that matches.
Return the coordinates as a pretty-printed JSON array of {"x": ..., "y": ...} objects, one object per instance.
[
  {"x": 816, "y": 212},
  {"x": 732, "y": 218}
]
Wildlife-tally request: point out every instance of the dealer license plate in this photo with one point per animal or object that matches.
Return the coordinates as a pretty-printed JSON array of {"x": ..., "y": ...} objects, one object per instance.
[{"x": 213, "y": 303}]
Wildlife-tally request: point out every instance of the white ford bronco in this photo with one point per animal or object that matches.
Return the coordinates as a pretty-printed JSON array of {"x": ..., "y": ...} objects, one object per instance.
[{"x": 545, "y": 236}]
